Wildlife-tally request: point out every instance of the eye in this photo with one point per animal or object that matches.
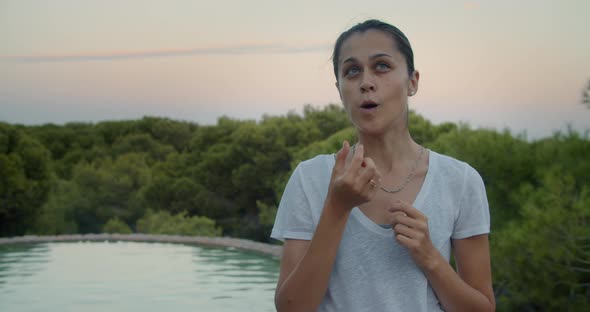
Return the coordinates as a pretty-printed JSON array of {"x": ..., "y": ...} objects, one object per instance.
[
  {"x": 382, "y": 67},
  {"x": 351, "y": 71}
]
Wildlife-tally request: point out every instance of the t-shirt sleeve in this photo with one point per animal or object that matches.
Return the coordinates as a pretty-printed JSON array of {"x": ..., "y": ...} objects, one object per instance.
[
  {"x": 473, "y": 217},
  {"x": 294, "y": 218}
]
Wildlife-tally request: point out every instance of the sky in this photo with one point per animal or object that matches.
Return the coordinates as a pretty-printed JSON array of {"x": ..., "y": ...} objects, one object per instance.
[{"x": 520, "y": 65}]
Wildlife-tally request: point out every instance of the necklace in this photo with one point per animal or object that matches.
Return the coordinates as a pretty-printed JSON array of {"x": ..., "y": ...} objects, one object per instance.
[{"x": 408, "y": 178}]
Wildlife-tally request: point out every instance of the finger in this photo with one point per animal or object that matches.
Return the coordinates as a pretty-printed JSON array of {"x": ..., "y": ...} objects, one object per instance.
[
  {"x": 369, "y": 163},
  {"x": 367, "y": 174},
  {"x": 368, "y": 180},
  {"x": 401, "y": 229},
  {"x": 403, "y": 206},
  {"x": 396, "y": 217},
  {"x": 404, "y": 240},
  {"x": 411, "y": 222},
  {"x": 341, "y": 156},
  {"x": 369, "y": 188},
  {"x": 363, "y": 163},
  {"x": 357, "y": 159},
  {"x": 415, "y": 224},
  {"x": 351, "y": 153}
]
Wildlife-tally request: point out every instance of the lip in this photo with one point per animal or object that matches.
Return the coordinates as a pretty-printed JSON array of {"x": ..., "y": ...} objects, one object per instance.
[{"x": 368, "y": 105}]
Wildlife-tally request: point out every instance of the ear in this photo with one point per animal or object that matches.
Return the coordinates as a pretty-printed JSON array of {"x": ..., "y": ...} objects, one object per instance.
[{"x": 413, "y": 83}]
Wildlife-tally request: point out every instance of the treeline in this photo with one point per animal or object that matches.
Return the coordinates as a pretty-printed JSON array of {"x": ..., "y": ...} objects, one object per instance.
[
  {"x": 164, "y": 176},
  {"x": 77, "y": 177}
]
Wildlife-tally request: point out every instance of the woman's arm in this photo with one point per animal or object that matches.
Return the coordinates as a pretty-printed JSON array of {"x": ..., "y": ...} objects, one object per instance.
[
  {"x": 306, "y": 265},
  {"x": 469, "y": 289}
]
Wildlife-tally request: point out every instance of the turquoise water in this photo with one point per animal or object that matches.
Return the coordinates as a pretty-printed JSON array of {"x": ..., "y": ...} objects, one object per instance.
[{"x": 131, "y": 276}]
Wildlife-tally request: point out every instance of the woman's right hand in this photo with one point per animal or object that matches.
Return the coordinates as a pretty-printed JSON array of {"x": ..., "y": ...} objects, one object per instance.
[{"x": 354, "y": 179}]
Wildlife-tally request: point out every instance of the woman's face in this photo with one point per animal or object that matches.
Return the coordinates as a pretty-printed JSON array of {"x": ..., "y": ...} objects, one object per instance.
[{"x": 373, "y": 82}]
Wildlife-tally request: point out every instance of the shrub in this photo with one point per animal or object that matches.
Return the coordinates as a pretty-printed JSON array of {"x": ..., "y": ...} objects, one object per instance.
[
  {"x": 115, "y": 225},
  {"x": 162, "y": 222}
]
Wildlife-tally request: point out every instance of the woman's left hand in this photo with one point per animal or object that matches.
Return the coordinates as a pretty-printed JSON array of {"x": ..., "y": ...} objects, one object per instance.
[{"x": 411, "y": 230}]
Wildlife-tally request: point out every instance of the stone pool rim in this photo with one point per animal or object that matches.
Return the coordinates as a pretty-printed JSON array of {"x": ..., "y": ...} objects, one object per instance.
[{"x": 238, "y": 243}]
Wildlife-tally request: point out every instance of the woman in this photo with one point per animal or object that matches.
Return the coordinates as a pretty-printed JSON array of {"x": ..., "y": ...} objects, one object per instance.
[{"x": 372, "y": 227}]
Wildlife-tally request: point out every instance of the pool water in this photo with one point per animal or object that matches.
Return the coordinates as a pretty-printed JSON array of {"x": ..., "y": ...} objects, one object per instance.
[{"x": 132, "y": 276}]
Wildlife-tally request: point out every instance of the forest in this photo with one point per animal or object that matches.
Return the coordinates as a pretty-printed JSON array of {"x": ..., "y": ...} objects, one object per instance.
[{"x": 162, "y": 176}]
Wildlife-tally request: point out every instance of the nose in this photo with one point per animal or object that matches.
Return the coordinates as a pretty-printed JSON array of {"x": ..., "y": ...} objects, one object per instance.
[{"x": 367, "y": 83}]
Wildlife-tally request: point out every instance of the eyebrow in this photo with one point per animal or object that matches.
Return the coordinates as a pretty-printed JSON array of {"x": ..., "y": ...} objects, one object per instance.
[{"x": 352, "y": 59}]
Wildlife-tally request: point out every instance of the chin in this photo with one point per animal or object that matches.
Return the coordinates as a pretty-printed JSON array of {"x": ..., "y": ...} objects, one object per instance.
[{"x": 370, "y": 129}]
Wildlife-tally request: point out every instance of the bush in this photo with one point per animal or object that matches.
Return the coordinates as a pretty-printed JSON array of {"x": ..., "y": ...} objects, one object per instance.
[
  {"x": 115, "y": 225},
  {"x": 162, "y": 222},
  {"x": 542, "y": 261}
]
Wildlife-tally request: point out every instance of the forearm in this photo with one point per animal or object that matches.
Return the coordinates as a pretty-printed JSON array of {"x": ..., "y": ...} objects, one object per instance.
[
  {"x": 454, "y": 293},
  {"x": 305, "y": 287}
]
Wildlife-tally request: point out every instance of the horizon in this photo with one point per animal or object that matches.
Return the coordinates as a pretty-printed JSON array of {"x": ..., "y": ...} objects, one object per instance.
[{"x": 521, "y": 66}]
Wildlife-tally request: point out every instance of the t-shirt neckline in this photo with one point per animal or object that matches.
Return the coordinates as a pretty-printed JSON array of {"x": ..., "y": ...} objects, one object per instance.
[{"x": 374, "y": 227}]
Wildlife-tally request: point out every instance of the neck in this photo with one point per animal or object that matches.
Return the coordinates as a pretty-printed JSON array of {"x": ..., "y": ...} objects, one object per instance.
[{"x": 390, "y": 151}]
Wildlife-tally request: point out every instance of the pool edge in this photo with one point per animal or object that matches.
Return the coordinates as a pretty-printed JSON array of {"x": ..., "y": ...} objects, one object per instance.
[{"x": 238, "y": 243}]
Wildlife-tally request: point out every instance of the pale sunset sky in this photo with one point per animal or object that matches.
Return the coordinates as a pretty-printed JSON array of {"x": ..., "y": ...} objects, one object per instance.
[{"x": 520, "y": 65}]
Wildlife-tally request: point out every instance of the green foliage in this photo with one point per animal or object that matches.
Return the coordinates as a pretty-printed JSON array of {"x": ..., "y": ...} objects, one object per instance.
[
  {"x": 110, "y": 131},
  {"x": 141, "y": 143},
  {"x": 424, "y": 132},
  {"x": 162, "y": 222},
  {"x": 116, "y": 226},
  {"x": 267, "y": 213},
  {"x": 543, "y": 261},
  {"x": 502, "y": 160},
  {"x": 168, "y": 132},
  {"x": 57, "y": 214},
  {"x": 330, "y": 145},
  {"x": 566, "y": 153},
  {"x": 25, "y": 180},
  {"x": 173, "y": 177},
  {"x": 328, "y": 120},
  {"x": 97, "y": 192}
]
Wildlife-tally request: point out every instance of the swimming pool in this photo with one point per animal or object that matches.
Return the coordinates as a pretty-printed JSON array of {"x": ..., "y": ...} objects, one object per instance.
[{"x": 134, "y": 276}]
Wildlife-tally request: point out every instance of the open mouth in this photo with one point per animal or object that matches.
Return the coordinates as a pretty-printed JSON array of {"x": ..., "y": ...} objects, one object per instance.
[{"x": 369, "y": 105}]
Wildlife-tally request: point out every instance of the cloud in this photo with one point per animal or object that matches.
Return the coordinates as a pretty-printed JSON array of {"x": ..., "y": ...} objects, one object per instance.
[{"x": 117, "y": 56}]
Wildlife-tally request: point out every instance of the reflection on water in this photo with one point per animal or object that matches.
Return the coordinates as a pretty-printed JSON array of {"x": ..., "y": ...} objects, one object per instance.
[
  {"x": 235, "y": 275},
  {"x": 131, "y": 276},
  {"x": 21, "y": 261}
]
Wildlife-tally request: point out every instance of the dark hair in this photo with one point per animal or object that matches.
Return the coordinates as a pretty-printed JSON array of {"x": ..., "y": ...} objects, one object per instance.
[{"x": 402, "y": 42}]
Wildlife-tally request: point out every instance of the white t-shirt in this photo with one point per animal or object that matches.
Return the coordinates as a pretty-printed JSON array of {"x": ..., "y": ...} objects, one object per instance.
[{"x": 372, "y": 271}]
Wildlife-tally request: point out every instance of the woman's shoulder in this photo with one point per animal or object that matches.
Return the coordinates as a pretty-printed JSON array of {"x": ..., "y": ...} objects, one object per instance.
[
  {"x": 450, "y": 166},
  {"x": 316, "y": 163}
]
